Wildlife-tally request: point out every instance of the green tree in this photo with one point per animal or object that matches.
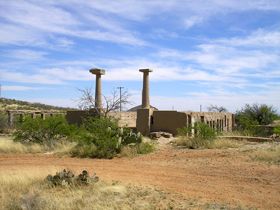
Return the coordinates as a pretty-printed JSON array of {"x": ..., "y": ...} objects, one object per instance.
[{"x": 251, "y": 116}]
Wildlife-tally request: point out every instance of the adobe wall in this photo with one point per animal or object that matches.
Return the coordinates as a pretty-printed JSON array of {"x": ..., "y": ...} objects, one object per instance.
[
  {"x": 125, "y": 119},
  {"x": 220, "y": 121},
  {"x": 168, "y": 121},
  {"x": 77, "y": 117}
]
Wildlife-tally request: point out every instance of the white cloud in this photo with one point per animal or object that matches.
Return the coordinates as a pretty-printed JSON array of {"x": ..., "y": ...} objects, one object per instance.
[
  {"x": 259, "y": 38},
  {"x": 25, "y": 54},
  {"x": 18, "y": 88},
  {"x": 193, "y": 101},
  {"x": 191, "y": 21},
  {"x": 36, "y": 78}
]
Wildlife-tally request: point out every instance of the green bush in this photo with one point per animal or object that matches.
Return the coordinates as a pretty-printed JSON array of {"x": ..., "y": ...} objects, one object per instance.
[
  {"x": 250, "y": 119},
  {"x": 46, "y": 132},
  {"x": 3, "y": 121},
  {"x": 276, "y": 130},
  {"x": 99, "y": 132},
  {"x": 100, "y": 137},
  {"x": 203, "y": 136}
]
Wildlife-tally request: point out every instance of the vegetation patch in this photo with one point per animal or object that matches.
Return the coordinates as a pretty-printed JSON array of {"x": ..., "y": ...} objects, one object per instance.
[
  {"x": 48, "y": 132},
  {"x": 35, "y": 192},
  {"x": 225, "y": 143},
  {"x": 202, "y": 137},
  {"x": 270, "y": 155}
]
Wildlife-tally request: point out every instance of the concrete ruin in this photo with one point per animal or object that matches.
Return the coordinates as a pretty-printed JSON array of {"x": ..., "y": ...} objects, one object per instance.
[
  {"x": 98, "y": 87},
  {"x": 14, "y": 115},
  {"x": 147, "y": 119}
]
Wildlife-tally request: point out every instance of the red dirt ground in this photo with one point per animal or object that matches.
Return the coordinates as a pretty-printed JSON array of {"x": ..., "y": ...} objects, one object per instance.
[{"x": 212, "y": 176}]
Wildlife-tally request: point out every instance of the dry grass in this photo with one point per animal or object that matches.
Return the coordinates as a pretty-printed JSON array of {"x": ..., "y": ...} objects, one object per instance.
[
  {"x": 225, "y": 143},
  {"x": 8, "y": 146},
  {"x": 215, "y": 144},
  {"x": 270, "y": 155},
  {"x": 128, "y": 151},
  {"x": 28, "y": 190}
]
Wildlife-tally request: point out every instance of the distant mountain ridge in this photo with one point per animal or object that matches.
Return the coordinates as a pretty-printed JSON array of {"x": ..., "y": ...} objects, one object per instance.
[{"x": 13, "y": 104}]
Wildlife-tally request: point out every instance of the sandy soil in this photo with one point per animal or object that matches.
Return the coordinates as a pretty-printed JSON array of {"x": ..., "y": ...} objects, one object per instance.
[{"x": 210, "y": 176}]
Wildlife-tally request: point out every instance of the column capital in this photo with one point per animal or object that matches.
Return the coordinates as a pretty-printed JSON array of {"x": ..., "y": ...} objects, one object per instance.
[
  {"x": 97, "y": 71},
  {"x": 145, "y": 70}
]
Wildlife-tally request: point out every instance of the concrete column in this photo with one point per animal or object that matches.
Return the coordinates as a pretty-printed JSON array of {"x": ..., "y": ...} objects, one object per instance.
[
  {"x": 43, "y": 116},
  {"x": 11, "y": 118},
  {"x": 146, "y": 88},
  {"x": 33, "y": 115},
  {"x": 98, "y": 88}
]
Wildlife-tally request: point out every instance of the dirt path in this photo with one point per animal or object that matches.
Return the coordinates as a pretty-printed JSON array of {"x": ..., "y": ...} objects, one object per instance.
[{"x": 214, "y": 176}]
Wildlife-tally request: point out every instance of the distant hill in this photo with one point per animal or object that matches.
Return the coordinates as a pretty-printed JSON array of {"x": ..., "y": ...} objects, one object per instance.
[{"x": 13, "y": 104}]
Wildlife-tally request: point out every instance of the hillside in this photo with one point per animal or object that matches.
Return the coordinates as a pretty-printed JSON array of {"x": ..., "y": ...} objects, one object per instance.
[{"x": 13, "y": 104}]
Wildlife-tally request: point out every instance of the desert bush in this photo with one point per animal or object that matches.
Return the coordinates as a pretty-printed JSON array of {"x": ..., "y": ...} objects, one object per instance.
[
  {"x": 100, "y": 137},
  {"x": 46, "y": 132},
  {"x": 276, "y": 130},
  {"x": 3, "y": 121},
  {"x": 250, "y": 118},
  {"x": 202, "y": 138},
  {"x": 67, "y": 178}
]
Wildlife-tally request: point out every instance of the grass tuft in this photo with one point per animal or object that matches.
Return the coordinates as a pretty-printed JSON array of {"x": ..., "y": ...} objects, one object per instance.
[{"x": 269, "y": 155}]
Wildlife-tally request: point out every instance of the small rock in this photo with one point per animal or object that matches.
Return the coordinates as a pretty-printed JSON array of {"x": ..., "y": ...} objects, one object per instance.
[
  {"x": 167, "y": 135},
  {"x": 155, "y": 135}
]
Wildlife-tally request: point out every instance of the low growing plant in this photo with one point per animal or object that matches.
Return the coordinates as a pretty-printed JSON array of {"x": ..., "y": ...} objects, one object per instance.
[
  {"x": 46, "y": 132},
  {"x": 100, "y": 137},
  {"x": 202, "y": 137}
]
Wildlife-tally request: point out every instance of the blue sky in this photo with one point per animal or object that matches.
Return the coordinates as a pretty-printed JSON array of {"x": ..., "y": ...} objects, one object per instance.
[{"x": 223, "y": 52}]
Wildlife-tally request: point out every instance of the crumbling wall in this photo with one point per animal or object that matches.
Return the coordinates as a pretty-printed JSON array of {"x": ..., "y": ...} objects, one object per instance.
[
  {"x": 125, "y": 119},
  {"x": 168, "y": 121},
  {"x": 220, "y": 121}
]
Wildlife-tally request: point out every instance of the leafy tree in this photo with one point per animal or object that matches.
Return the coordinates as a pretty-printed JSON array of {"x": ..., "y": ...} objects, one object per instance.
[
  {"x": 250, "y": 117},
  {"x": 257, "y": 114},
  {"x": 215, "y": 108}
]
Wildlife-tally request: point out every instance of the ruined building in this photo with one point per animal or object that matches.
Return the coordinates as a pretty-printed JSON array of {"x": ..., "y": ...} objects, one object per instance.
[{"x": 148, "y": 119}]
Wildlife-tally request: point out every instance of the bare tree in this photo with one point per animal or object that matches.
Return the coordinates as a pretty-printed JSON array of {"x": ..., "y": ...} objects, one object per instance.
[
  {"x": 215, "y": 108},
  {"x": 110, "y": 103}
]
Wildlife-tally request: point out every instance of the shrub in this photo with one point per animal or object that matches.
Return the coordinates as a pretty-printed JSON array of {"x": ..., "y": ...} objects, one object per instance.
[
  {"x": 46, "y": 132},
  {"x": 203, "y": 136},
  {"x": 100, "y": 137},
  {"x": 250, "y": 118},
  {"x": 276, "y": 130},
  {"x": 3, "y": 121}
]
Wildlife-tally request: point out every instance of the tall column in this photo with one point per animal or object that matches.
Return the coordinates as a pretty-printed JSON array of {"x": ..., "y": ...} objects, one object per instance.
[
  {"x": 98, "y": 90},
  {"x": 146, "y": 88}
]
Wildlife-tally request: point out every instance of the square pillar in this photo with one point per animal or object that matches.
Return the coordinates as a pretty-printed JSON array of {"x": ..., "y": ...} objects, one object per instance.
[{"x": 143, "y": 122}]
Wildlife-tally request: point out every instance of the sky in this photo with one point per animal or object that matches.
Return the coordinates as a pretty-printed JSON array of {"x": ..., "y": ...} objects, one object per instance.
[{"x": 215, "y": 52}]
